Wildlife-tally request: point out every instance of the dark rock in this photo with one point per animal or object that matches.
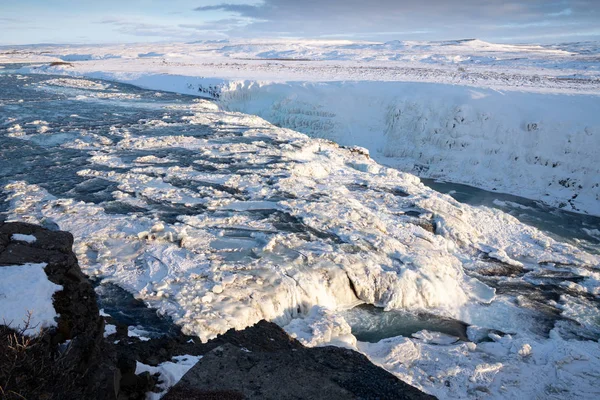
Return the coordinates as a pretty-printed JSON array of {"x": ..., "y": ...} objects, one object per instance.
[
  {"x": 4, "y": 241},
  {"x": 45, "y": 239},
  {"x": 183, "y": 393},
  {"x": 263, "y": 336},
  {"x": 87, "y": 369},
  {"x": 495, "y": 267},
  {"x": 298, "y": 373}
]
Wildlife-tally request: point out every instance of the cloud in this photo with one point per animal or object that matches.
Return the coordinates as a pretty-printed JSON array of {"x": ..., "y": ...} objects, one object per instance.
[
  {"x": 432, "y": 19},
  {"x": 396, "y": 8},
  {"x": 537, "y": 24},
  {"x": 217, "y": 25},
  {"x": 564, "y": 13},
  {"x": 145, "y": 29},
  {"x": 243, "y": 9}
]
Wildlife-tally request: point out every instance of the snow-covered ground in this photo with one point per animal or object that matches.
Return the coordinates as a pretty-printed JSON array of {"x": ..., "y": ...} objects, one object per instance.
[
  {"x": 26, "y": 297},
  {"x": 219, "y": 219},
  {"x": 517, "y": 119},
  {"x": 568, "y": 67}
]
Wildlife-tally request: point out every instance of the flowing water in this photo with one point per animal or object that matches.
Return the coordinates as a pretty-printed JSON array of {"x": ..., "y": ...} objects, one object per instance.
[{"x": 578, "y": 229}]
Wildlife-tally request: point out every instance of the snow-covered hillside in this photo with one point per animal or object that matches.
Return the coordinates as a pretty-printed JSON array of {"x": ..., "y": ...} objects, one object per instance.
[{"x": 567, "y": 67}]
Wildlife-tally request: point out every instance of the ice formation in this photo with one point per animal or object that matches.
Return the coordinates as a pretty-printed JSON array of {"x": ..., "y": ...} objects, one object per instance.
[
  {"x": 219, "y": 219},
  {"x": 517, "y": 119}
]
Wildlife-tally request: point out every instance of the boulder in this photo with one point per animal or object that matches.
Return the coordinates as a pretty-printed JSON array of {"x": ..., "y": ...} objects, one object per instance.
[{"x": 263, "y": 362}]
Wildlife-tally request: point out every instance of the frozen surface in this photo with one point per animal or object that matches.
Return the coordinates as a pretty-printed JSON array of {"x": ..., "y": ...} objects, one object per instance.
[
  {"x": 516, "y": 119},
  {"x": 219, "y": 219},
  {"x": 570, "y": 66},
  {"x": 109, "y": 329},
  {"x": 26, "y": 298}
]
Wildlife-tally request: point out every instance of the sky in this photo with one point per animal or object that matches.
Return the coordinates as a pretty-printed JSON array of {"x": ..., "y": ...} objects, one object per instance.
[{"x": 127, "y": 21}]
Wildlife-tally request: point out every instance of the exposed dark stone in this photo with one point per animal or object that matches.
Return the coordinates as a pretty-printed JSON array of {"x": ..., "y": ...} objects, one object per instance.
[
  {"x": 87, "y": 369},
  {"x": 495, "y": 267},
  {"x": 45, "y": 239},
  {"x": 426, "y": 224},
  {"x": 299, "y": 373},
  {"x": 4, "y": 241},
  {"x": 186, "y": 393}
]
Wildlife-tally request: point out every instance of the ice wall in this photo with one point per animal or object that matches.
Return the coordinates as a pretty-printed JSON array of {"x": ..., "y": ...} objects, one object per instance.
[{"x": 538, "y": 145}]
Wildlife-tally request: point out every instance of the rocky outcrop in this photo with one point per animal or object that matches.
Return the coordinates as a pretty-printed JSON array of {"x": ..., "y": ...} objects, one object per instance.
[
  {"x": 76, "y": 361},
  {"x": 279, "y": 368},
  {"x": 85, "y": 367}
]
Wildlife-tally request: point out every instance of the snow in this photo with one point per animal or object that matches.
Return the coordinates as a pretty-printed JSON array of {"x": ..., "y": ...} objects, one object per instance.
[
  {"x": 109, "y": 329},
  {"x": 170, "y": 372},
  {"x": 303, "y": 229},
  {"x": 263, "y": 222},
  {"x": 138, "y": 332},
  {"x": 517, "y": 119},
  {"x": 435, "y": 337},
  {"x": 508, "y": 367},
  {"x": 568, "y": 67},
  {"x": 534, "y": 145},
  {"x": 25, "y": 290},
  {"x": 76, "y": 83},
  {"x": 321, "y": 327},
  {"x": 23, "y": 238}
]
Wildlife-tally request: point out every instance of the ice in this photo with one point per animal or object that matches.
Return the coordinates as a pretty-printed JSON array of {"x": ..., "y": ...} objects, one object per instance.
[
  {"x": 435, "y": 337},
  {"x": 76, "y": 83},
  {"x": 321, "y": 327},
  {"x": 485, "y": 129},
  {"x": 338, "y": 244},
  {"x": 457, "y": 133},
  {"x": 109, "y": 329},
  {"x": 16, "y": 130},
  {"x": 513, "y": 368},
  {"x": 412, "y": 268},
  {"x": 26, "y": 298},
  {"x": 219, "y": 219},
  {"x": 138, "y": 332}
]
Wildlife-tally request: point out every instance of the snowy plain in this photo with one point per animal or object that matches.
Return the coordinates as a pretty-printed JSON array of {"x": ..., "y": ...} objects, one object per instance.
[{"x": 219, "y": 218}]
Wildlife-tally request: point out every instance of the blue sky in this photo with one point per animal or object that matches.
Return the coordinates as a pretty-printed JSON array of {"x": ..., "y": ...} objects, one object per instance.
[{"x": 114, "y": 21}]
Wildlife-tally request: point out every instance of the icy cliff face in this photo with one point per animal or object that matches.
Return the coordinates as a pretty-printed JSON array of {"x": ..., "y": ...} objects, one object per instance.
[{"x": 541, "y": 146}]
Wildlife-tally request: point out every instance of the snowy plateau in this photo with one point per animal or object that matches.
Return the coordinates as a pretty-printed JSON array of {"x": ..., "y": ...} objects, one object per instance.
[{"x": 291, "y": 188}]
